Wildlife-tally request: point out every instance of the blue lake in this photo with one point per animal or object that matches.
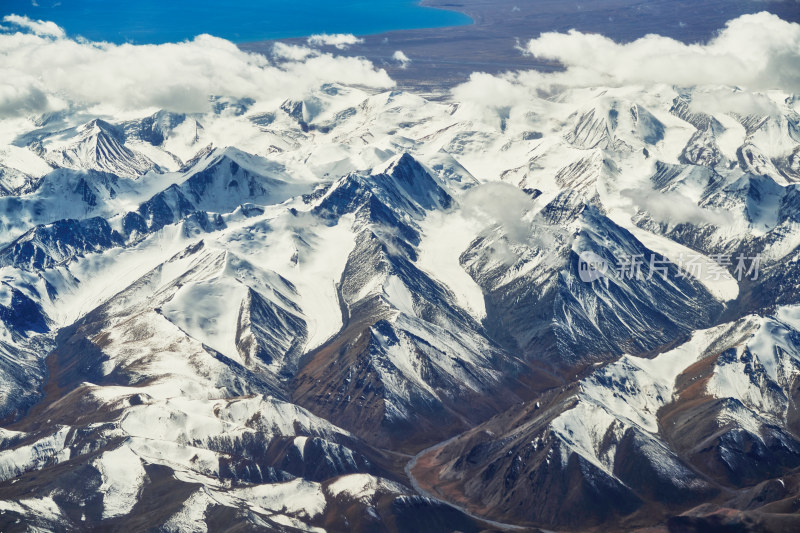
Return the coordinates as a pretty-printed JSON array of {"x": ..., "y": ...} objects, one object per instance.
[{"x": 159, "y": 21}]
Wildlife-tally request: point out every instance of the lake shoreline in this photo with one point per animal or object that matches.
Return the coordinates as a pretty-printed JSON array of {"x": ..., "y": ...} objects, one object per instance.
[{"x": 144, "y": 22}]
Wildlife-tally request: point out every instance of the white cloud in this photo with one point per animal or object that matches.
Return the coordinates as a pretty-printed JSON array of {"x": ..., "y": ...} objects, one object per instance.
[
  {"x": 500, "y": 203},
  {"x": 39, "y": 73},
  {"x": 489, "y": 98},
  {"x": 292, "y": 52},
  {"x": 37, "y": 27},
  {"x": 673, "y": 207},
  {"x": 504, "y": 205},
  {"x": 21, "y": 98},
  {"x": 720, "y": 100},
  {"x": 341, "y": 41},
  {"x": 759, "y": 51},
  {"x": 401, "y": 58}
]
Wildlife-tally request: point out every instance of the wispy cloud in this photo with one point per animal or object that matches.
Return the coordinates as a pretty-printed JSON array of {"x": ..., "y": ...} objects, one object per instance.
[
  {"x": 37, "y": 27},
  {"x": 342, "y": 41}
]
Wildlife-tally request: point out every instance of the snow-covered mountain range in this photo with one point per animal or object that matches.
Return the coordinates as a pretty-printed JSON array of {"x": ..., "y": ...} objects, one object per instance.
[{"x": 358, "y": 309}]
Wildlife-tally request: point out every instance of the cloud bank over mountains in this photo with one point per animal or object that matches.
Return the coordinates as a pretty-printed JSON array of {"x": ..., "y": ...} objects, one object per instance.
[
  {"x": 757, "y": 52},
  {"x": 42, "y": 70}
]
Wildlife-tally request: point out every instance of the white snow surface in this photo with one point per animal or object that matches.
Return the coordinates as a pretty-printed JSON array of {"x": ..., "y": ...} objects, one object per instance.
[
  {"x": 363, "y": 487},
  {"x": 123, "y": 475}
]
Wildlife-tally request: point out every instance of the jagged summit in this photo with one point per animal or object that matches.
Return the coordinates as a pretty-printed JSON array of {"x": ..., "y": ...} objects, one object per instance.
[{"x": 99, "y": 146}]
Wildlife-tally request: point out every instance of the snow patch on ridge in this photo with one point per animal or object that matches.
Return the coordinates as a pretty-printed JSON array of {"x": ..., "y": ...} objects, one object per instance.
[
  {"x": 445, "y": 238},
  {"x": 363, "y": 487},
  {"x": 123, "y": 475}
]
